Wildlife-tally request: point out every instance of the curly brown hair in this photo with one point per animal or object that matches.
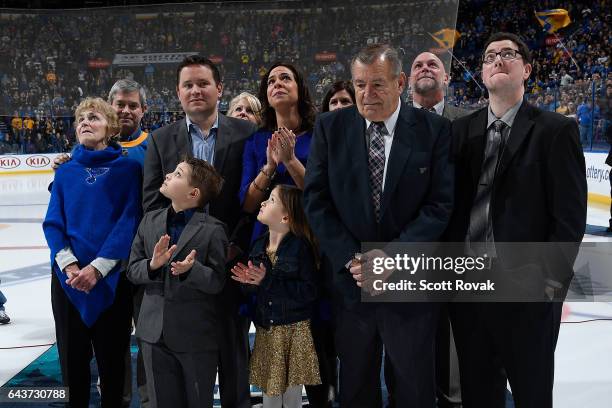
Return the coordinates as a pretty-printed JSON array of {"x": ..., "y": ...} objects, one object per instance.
[{"x": 101, "y": 106}]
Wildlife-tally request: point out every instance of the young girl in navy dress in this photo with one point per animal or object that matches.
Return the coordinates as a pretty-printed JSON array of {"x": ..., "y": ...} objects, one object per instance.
[{"x": 281, "y": 270}]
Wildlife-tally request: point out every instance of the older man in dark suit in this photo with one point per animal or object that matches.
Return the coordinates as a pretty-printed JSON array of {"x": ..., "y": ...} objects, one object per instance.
[
  {"x": 208, "y": 135},
  {"x": 378, "y": 172},
  {"x": 520, "y": 178}
]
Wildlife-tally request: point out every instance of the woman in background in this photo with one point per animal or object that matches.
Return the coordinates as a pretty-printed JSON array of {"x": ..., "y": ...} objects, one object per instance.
[
  {"x": 340, "y": 95},
  {"x": 246, "y": 106}
]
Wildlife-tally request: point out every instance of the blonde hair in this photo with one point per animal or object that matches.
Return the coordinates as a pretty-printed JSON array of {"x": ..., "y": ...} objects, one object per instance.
[
  {"x": 253, "y": 103},
  {"x": 101, "y": 106}
]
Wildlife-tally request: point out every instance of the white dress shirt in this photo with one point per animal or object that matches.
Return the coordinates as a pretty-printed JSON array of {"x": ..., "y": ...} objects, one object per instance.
[
  {"x": 439, "y": 107},
  {"x": 390, "y": 123}
]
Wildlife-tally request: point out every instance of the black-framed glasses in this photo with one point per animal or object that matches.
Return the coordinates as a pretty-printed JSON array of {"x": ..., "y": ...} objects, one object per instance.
[{"x": 507, "y": 55}]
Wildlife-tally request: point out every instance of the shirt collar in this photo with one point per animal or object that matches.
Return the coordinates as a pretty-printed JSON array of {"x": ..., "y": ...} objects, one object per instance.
[
  {"x": 134, "y": 135},
  {"x": 190, "y": 123},
  {"x": 391, "y": 120},
  {"x": 507, "y": 118},
  {"x": 439, "y": 107},
  {"x": 188, "y": 213}
]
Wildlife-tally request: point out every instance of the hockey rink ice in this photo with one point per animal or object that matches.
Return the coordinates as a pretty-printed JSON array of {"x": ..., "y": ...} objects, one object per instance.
[{"x": 583, "y": 376}]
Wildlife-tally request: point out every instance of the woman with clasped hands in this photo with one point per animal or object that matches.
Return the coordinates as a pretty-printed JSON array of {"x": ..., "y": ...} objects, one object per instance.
[
  {"x": 91, "y": 220},
  {"x": 277, "y": 152}
]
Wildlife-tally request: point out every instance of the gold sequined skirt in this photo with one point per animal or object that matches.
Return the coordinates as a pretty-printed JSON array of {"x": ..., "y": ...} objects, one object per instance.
[{"x": 284, "y": 356}]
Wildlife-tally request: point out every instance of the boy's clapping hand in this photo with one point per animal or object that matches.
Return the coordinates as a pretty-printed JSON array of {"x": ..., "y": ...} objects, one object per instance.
[
  {"x": 161, "y": 252},
  {"x": 179, "y": 267}
]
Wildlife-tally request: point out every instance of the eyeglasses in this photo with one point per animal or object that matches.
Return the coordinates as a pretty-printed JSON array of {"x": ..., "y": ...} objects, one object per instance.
[{"x": 506, "y": 55}]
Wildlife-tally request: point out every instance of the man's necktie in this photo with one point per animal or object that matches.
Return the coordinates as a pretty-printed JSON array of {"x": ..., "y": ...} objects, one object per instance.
[
  {"x": 480, "y": 216},
  {"x": 376, "y": 163}
]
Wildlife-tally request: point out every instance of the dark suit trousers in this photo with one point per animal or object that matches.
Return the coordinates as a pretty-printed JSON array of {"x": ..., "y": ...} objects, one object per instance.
[
  {"x": 448, "y": 386},
  {"x": 141, "y": 380},
  {"x": 506, "y": 341},
  {"x": 407, "y": 333},
  {"x": 233, "y": 359},
  {"x": 176, "y": 379},
  {"x": 323, "y": 338},
  {"x": 108, "y": 339}
]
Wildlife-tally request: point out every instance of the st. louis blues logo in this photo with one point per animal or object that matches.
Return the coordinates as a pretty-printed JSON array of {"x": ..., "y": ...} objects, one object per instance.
[{"x": 93, "y": 173}]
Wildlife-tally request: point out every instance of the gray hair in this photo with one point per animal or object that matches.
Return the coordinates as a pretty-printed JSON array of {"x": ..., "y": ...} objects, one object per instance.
[
  {"x": 372, "y": 52},
  {"x": 128, "y": 85}
]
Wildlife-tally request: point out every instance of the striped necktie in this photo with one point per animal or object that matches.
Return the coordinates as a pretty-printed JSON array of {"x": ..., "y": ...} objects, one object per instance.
[
  {"x": 376, "y": 163},
  {"x": 432, "y": 109},
  {"x": 481, "y": 228}
]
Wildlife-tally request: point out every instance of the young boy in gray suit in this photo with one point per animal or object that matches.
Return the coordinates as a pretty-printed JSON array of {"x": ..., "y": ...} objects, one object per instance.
[{"x": 179, "y": 255}]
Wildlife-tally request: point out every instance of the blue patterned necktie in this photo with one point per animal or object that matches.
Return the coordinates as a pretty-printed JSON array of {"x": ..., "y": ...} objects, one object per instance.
[{"x": 376, "y": 163}]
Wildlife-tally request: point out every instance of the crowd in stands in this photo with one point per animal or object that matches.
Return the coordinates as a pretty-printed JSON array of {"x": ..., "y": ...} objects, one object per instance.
[
  {"x": 576, "y": 55},
  {"x": 53, "y": 60},
  {"x": 56, "y": 135},
  {"x": 571, "y": 70},
  {"x": 31, "y": 135}
]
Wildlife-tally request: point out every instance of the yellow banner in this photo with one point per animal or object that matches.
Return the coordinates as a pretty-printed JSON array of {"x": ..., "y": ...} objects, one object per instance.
[{"x": 553, "y": 20}]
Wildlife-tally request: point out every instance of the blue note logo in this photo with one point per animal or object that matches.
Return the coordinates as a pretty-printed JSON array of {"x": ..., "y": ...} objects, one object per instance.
[{"x": 94, "y": 173}]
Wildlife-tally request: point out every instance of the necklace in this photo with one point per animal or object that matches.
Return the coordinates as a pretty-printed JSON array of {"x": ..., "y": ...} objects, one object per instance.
[{"x": 294, "y": 130}]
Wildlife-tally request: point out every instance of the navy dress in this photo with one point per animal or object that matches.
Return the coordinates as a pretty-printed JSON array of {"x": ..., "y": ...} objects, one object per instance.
[{"x": 254, "y": 159}]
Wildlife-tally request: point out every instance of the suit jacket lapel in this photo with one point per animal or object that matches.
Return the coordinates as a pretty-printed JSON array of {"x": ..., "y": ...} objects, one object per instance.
[
  {"x": 518, "y": 133},
  {"x": 357, "y": 164},
  {"x": 183, "y": 142},
  {"x": 399, "y": 155},
  {"x": 223, "y": 142},
  {"x": 477, "y": 137},
  {"x": 159, "y": 225},
  {"x": 188, "y": 233}
]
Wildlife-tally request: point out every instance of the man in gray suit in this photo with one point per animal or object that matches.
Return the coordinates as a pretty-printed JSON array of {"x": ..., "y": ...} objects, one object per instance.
[
  {"x": 428, "y": 82},
  {"x": 208, "y": 135}
]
